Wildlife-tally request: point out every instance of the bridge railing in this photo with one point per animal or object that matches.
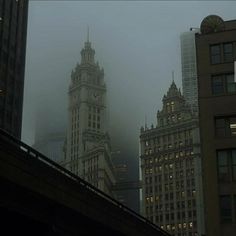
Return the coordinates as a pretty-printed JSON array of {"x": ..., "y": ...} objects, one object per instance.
[{"x": 11, "y": 140}]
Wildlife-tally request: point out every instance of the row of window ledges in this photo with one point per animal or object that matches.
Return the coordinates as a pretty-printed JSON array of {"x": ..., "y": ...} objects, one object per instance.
[
  {"x": 148, "y": 161},
  {"x": 168, "y": 150},
  {"x": 170, "y": 197},
  {"x": 168, "y": 187}
]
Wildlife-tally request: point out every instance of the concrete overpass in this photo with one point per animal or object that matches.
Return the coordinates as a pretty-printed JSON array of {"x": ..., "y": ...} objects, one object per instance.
[{"x": 39, "y": 197}]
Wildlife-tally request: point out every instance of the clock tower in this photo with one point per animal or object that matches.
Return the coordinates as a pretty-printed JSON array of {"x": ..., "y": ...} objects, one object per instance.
[{"x": 88, "y": 151}]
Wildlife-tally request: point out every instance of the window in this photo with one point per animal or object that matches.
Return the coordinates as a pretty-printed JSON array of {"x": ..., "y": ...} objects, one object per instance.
[
  {"x": 225, "y": 126},
  {"x": 225, "y": 208},
  {"x": 230, "y": 83},
  {"x": 228, "y": 52},
  {"x": 233, "y": 164},
  {"x": 227, "y": 165},
  {"x": 172, "y": 106},
  {"x": 223, "y": 83},
  {"x": 215, "y": 54},
  {"x": 217, "y": 84},
  {"x": 223, "y": 166},
  {"x": 221, "y": 53}
]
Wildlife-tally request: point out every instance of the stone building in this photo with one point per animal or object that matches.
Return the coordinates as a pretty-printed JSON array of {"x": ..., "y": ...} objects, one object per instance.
[
  {"x": 88, "y": 151},
  {"x": 171, "y": 168}
]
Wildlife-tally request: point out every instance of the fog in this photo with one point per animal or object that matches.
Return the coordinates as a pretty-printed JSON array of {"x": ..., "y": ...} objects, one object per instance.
[{"x": 136, "y": 42}]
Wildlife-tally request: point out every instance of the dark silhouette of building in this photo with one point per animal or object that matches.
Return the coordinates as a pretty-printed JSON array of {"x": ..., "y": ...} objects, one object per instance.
[
  {"x": 13, "y": 28},
  {"x": 216, "y": 53}
]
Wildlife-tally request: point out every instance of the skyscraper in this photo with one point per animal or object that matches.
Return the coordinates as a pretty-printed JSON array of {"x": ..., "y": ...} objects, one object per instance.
[
  {"x": 51, "y": 145},
  {"x": 171, "y": 168},
  {"x": 189, "y": 69},
  {"x": 216, "y": 53},
  {"x": 88, "y": 151},
  {"x": 13, "y": 29}
]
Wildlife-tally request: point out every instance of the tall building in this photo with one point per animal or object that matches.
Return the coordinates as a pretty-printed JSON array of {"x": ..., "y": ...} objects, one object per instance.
[
  {"x": 171, "y": 168},
  {"x": 216, "y": 53},
  {"x": 13, "y": 29},
  {"x": 51, "y": 145},
  {"x": 189, "y": 69},
  {"x": 88, "y": 151}
]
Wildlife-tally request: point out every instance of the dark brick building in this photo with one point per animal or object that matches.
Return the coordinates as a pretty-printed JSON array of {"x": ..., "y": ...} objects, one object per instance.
[
  {"x": 216, "y": 53},
  {"x": 13, "y": 28}
]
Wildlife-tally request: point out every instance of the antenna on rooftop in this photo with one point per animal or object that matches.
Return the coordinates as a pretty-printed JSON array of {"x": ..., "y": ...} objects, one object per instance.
[
  {"x": 87, "y": 33},
  {"x": 173, "y": 75}
]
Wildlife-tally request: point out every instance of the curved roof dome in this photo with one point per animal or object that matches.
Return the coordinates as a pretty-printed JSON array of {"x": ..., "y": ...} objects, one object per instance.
[{"x": 212, "y": 24}]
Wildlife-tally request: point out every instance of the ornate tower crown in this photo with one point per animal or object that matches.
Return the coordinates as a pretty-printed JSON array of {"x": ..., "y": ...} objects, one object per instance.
[
  {"x": 172, "y": 92},
  {"x": 87, "y": 53}
]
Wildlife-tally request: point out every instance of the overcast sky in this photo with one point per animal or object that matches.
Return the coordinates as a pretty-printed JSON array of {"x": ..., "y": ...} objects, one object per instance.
[{"x": 136, "y": 42}]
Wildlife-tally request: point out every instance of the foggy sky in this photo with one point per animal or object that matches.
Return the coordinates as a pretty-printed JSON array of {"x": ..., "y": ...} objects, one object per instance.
[{"x": 136, "y": 42}]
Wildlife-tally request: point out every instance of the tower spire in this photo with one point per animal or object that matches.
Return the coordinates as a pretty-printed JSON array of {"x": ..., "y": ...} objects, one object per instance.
[
  {"x": 87, "y": 33},
  {"x": 173, "y": 76},
  {"x": 145, "y": 121}
]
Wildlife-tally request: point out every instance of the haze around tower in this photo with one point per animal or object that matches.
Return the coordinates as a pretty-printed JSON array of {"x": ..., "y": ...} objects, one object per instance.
[{"x": 137, "y": 43}]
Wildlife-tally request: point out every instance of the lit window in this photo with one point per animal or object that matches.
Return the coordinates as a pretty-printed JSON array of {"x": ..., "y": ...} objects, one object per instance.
[
  {"x": 225, "y": 126},
  {"x": 172, "y": 106}
]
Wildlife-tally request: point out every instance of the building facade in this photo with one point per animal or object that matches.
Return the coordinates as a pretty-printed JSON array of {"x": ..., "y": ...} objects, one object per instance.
[
  {"x": 189, "y": 69},
  {"x": 51, "y": 145},
  {"x": 88, "y": 151},
  {"x": 13, "y": 29},
  {"x": 171, "y": 168},
  {"x": 216, "y": 53}
]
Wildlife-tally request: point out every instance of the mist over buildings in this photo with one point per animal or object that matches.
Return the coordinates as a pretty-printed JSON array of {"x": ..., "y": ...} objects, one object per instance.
[{"x": 138, "y": 45}]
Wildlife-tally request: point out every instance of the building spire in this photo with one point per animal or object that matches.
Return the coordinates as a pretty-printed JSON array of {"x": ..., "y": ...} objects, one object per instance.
[
  {"x": 173, "y": 76},
  {"x": 87, "y": 33},
  {"x": 145, "y": 121}
]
